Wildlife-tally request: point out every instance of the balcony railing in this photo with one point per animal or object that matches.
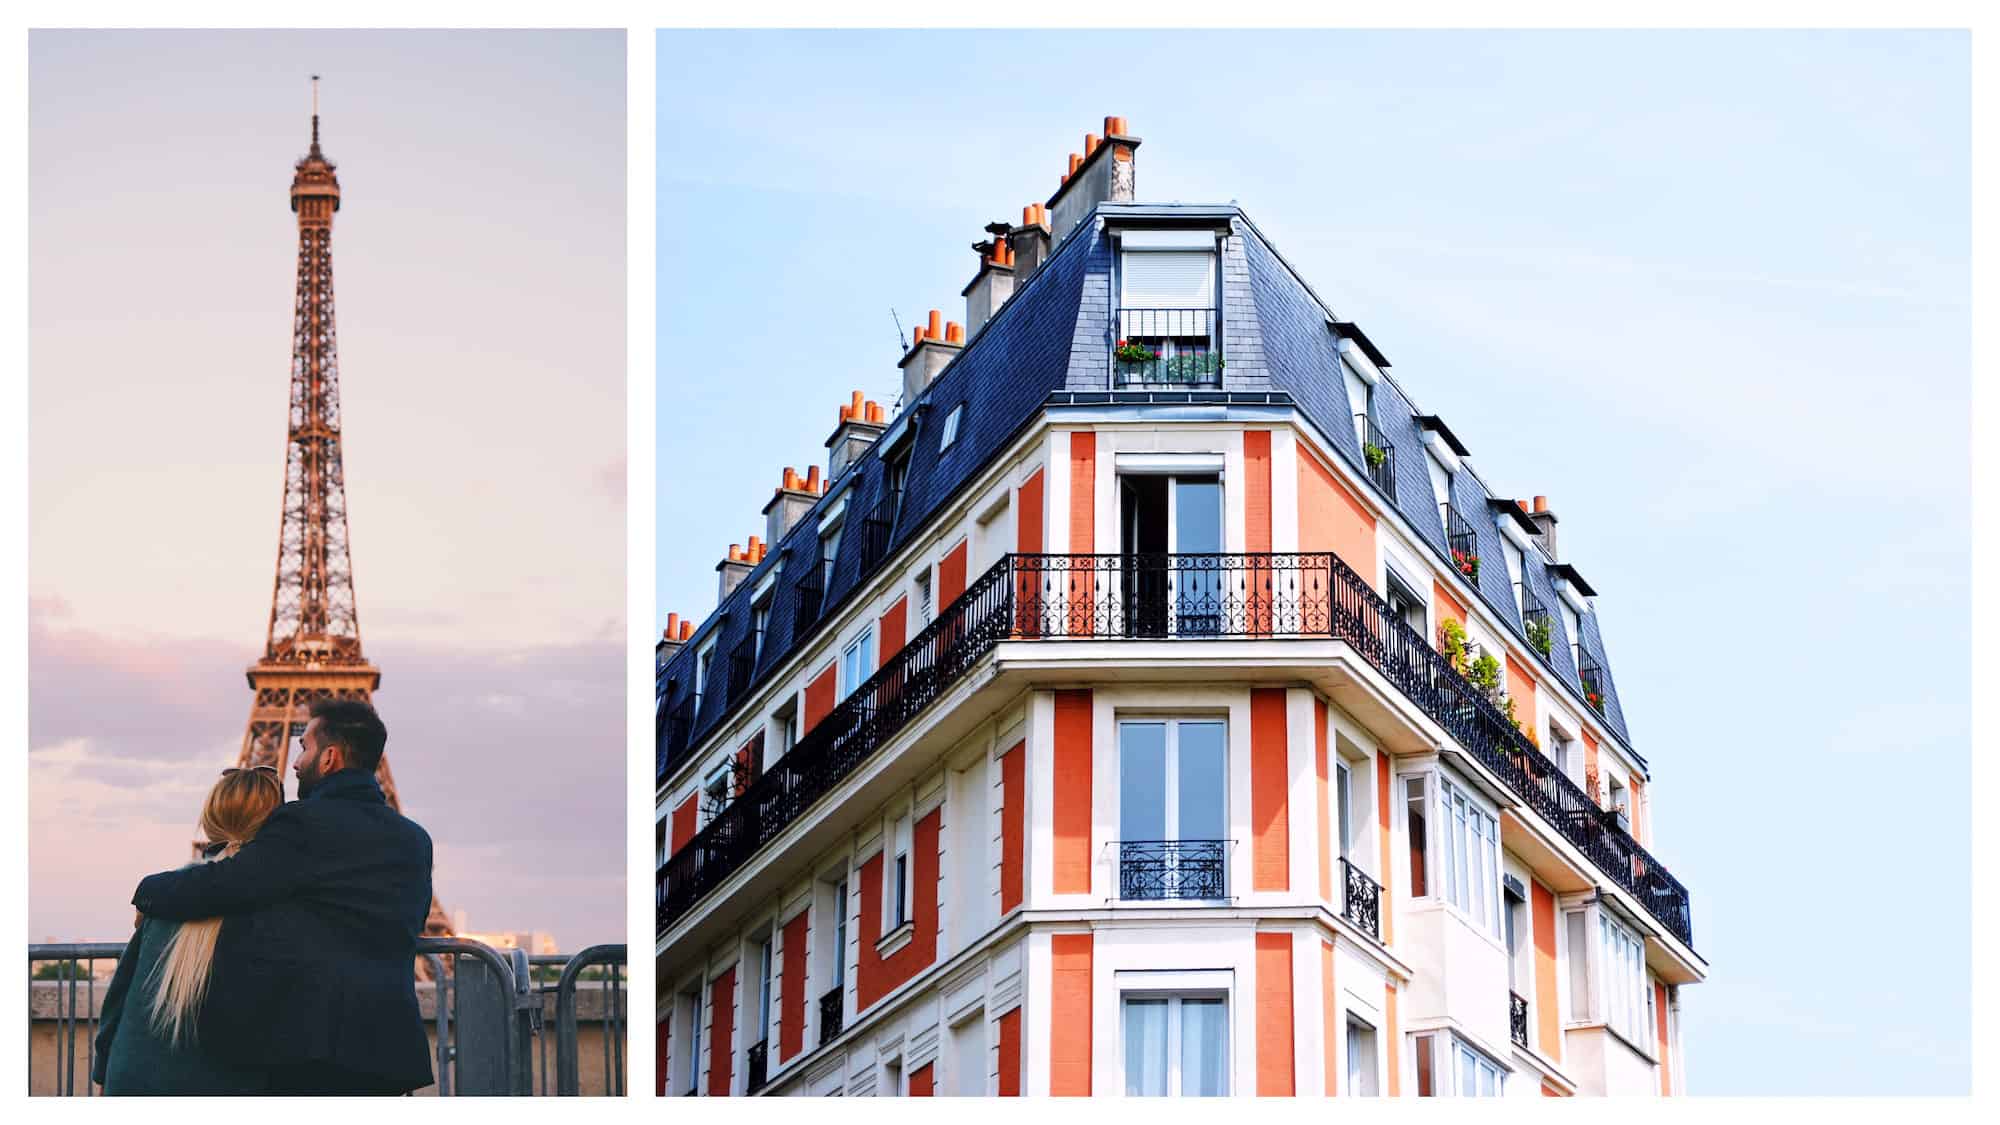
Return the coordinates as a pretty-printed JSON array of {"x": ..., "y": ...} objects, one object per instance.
[
  {"x": 832, "y": 1013},
  {"x": 678, "y": 736},
  {"x": 756, "y": 1065},
  {"x": 1463, "y": 543},
  {"x": 1174, "y": 348},
  {"x": 1361, "y": 899},
  {"x": 1378, "y": 454},
  {"x": 809, "y": 590},
  {"x": 1058, "y": 597},
  {"x": 1517, "y": 1018},
  {"x": 1171, "y": 595},
  {"x": 1591, "y": 678},
  {"x": 1536, "y": 622},
  {"x": 1155, "y": 870},
  {"x": 742, "y": 666},
  {"x": 875, "y": 534}
]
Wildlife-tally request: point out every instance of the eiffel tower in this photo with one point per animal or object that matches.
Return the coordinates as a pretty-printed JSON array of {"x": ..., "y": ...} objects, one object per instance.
[{"x": 313, "y": 649}]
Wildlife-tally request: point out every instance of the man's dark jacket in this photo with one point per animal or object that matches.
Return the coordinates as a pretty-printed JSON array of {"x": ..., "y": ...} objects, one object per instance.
[{"x": 315, "y": 969}]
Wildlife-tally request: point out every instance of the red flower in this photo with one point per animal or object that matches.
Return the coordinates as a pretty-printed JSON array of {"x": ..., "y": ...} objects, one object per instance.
[{"x": 1121, "y": 343}]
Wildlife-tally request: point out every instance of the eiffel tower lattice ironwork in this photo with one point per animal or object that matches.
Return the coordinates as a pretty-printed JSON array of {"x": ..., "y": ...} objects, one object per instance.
[{"x": 313, "y": 649}]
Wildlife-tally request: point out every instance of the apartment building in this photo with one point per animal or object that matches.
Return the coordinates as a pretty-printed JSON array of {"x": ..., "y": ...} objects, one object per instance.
[{"x": 1154, "y": 702}]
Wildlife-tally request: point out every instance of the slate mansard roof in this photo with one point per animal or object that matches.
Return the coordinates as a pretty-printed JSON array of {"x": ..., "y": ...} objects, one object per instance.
[{"x": 1053, "y": 339}]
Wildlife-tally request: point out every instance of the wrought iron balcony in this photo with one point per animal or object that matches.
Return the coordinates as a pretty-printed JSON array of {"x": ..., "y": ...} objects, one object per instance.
[
  {"x": 1536, "y": 622},
  {"x": 832, "y": 1013},
  {"x": 1061, "y": 597},
  {"x": 1361, "y": 899},
  {"x": 676, "y": 735},
  {"x": 756, "y": 1064},
  {"x": 1154, "y": 870},
  {"x": 1378, "y": 454},
  {"x": 809, "y": 590},
  {"x": 1175, "y": 348},
  {"x": 1157, "y": 596},
  {"x": 1591, "y": 678},
  {"x": 1463, "y": 542},
  {"x": 1517, "y": 1018},
  {"x": 742, "y": 666},
  {"x": 875, "y": 534}
]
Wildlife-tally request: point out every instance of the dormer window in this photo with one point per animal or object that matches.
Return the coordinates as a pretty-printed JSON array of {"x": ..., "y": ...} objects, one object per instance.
[{"x": 1166, "y": 325}]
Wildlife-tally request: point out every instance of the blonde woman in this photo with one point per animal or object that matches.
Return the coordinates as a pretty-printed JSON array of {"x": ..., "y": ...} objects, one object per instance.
[{"x": 146, "y": 1039}]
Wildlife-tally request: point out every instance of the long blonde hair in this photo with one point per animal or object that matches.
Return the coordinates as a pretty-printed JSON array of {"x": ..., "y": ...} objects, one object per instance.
[{"x": 235, "y": 809}]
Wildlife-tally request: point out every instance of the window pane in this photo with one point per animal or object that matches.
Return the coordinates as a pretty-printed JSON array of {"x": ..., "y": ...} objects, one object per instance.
[
  {"x": 1341, "y": 781},
  {"x": 1142, "y": 781},
  {"x": 1468, "y": 1073},
  {"x": 1146, "y": 1048},
  {"x": 1419, "y": 858},
  {"x": 1579, "y": 974},
  {"x": 1197, "y": 514},
  {"x": 1204, "y": 1049},
  {"x": 1202, "y": 772}
]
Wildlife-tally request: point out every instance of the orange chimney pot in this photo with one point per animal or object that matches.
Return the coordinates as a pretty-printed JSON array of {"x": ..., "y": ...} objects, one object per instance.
[
  {"x": 1115, "y": 127},
  {"x": 1075, "y": 162},
  {"x": 936, "y": 328},
  {"x": 687, "y": 630},
  {"x": 673, "y": 625},
  {"x": 1541, "y": 503},
  {"x": 1089, "y": 144}
]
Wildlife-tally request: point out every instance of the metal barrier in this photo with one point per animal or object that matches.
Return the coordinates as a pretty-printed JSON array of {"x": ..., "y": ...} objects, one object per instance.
[
  {"x": 611, "y": 990},
  {"x": 490, "y": 1018}
]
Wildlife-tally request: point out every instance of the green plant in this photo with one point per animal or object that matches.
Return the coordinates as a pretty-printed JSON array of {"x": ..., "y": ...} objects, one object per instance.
[
  {"x": 1375, "y": 454},
  {"x": 57, "y": 970},
  {"x": 1541, "y": 634},
  {"x": 1467, "y": 563},
  {"x": 1485, "y": 674},
  {"x": 1451, "y": 644},
  {"x": 1128, "y": 352}
]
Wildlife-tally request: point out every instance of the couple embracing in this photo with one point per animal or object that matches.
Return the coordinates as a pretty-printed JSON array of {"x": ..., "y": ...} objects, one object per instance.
[{"x": 283, "y": 961}]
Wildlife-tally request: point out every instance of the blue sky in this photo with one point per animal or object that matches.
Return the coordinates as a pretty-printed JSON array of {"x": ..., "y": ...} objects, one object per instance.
[{"x": 1708, "y": 291}]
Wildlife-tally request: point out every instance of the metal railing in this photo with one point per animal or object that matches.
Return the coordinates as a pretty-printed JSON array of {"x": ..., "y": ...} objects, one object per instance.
[
  {"x": 756, "y": 1066},
  {"x": 1360, "y": 899},
  {"x": 1166, "y": 348},
  {"x": 1171, "y": 595},
  {"x": 875, "y": 534},
  {"x": 1055, "y": 597},
  {"x": 677, "y": 738},
  {"x": 1536, "y": 622},
  {"x": 1463, "y": 543},
  {"x": 810, "y": 590},
  {"x": 832, "y": 1013},
  {"x": 488, "y": 1026},
  {"x": 883, "y": 704},
  {"x": 742, "y": 666},
  {"x": 1517, "y": 1018},
  {"x": 1378, "y": 454},
  {"x": 1156, "y": 870},
  {"x": 1591, "y": 678}
]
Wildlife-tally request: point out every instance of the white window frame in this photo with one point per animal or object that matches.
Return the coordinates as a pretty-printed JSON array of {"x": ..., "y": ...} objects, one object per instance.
[
  {"x": 926, "y": 611},
  {"x": 857, "y": 661},
  {"x": 1357, "y": 1074},
  {"x": 948, "y": 431},
  {"x": 704, "y": 664},
  {"x": 1511, "y": 551},
  {"x": 898, "y": 873},
  {"x": 1467, "y": 1058},
  {"x": 1465, "y": 839},
  {"x": 1130, "y": 988},
  {"x": 1623, "y": 987},
  {"x": 766, "y": 966}
]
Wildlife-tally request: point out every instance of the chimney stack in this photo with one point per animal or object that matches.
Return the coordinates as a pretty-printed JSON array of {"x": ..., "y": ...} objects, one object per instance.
[
  {"x": 1102, "y": 173},
  {"x": 1545, "y": 522},
  {"x": 994, "y": 283},
  {"x": 861, "y": 422},
  {"x": 933, "y": 346},
  {"x": 1028, "y": 244},
  {"x": 672, "y": 640},
  {"x": 794, "y": 497},
  {"x": 731, "y": 571}
]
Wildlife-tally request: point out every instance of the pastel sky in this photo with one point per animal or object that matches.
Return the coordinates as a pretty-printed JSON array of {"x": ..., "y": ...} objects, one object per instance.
[
  {"x": 1709, "y": 292},
  {"x": 479, "y": 270}
]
